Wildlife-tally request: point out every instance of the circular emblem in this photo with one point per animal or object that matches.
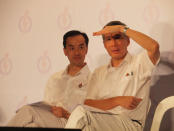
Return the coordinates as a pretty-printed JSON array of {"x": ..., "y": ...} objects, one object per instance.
[
  {"x": 25, "y": 23},
  {"x": 5, "y": 65},
  {"x": 44, "y": 63},
  {"x": 151, "y": 13},
  {"x": 64, "y": 20},
  {"x": 106, "y": 15}
]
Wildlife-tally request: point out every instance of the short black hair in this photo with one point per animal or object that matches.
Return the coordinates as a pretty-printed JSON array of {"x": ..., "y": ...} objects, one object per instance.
[
  {"x": 74, "y": 33},
  {"x": 114, "y": 23}
]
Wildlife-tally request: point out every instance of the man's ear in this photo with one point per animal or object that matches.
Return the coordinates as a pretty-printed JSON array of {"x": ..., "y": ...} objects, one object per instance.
[
  {"x": 65, "y": 52},
  {"x": 104, "y": 44},
  {"x": 87, "y": 50},
  {"x": 128, "y": 40}
]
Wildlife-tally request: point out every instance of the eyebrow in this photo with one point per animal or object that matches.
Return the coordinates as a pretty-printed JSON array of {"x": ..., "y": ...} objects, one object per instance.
[{"x": 82, "y": 44}]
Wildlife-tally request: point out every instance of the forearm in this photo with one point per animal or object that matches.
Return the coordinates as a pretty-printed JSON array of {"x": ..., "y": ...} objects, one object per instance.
[
  {"x": 128, "y": 102},
  {"x": 143, "y": 40},
  {"x": 104, "y": 104}
]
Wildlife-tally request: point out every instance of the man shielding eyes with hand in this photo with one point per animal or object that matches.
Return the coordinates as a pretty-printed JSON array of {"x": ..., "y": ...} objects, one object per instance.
[{"x": 118, "y": 93}]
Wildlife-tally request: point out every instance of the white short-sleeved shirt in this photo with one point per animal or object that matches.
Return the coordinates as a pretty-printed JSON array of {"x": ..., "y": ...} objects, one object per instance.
[
  {"x": 65, "y": 90},
  {"x": 131, "y": 78}
]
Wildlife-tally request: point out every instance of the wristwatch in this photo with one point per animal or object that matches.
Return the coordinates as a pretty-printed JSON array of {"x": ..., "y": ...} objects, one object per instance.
[{"x": 125, "y": 29}]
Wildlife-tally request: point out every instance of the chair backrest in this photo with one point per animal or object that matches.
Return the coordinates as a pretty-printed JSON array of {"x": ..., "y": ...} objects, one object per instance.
[{"x": 162, "y": 107}]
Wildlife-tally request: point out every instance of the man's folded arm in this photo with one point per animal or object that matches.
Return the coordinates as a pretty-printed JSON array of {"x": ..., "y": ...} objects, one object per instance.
[{"x": 128, "y": 102}]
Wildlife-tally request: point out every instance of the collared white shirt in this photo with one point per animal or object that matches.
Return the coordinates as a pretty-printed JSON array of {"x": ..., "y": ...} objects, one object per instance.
[
  {"x": 130, "y": 78},
  {"x": 65, "y": 90}
]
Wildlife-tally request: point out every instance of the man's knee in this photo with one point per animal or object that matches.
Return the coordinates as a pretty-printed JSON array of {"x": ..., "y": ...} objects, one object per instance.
[
  {"x": 22, "y": 117},
  {"x": 75, "y": 116},
  {"x": 26, "y": 109}
]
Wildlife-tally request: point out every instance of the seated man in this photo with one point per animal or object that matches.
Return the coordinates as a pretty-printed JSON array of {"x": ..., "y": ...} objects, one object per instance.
[
  {"x": 118, "y": 92},
  {"x": 64, "y": 91}
]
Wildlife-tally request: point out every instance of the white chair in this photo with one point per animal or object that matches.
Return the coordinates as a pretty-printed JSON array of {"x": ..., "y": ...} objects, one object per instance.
[{"x": 162, "y": 107}]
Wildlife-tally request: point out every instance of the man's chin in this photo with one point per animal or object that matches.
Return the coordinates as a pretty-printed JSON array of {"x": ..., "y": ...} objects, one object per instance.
[
  {"x": 79, "y": 63},
  {"x": 117, "y": 56}
]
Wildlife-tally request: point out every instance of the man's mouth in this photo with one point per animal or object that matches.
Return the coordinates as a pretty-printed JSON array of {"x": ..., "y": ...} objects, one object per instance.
[
  {"x": 77, "y": 57},
  {"x": 116, "y": 51}
]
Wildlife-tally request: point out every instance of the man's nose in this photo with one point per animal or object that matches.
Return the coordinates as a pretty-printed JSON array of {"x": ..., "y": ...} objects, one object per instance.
[
  {"x": 115, "y": 42},
  {"x": 76, "y": 51}
]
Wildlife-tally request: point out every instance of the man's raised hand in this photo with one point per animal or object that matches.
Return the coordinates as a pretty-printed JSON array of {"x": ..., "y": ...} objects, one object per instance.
[{"x": 109, "y": 30}]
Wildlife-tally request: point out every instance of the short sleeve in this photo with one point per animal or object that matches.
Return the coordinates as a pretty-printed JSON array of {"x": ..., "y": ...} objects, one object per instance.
[
  {"x": 52, "y": 93},
  {"x": 145, "y": 65}
]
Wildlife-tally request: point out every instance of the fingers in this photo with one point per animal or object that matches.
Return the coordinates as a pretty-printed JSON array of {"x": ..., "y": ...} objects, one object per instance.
[
  {"x": 54, "y": 109},
  {"x": 106, "y": 30},
  {"x": 66, "y": 114},
  {"x": 60, "y": 112},
  {"x": 109, "y": 30},
  {"x": 139, "y": 99},
  {"x": 57, "y": 111},
  {"x": 99, "y": 33},
  {"x": 130, "y": 102},
  {"x": 135, "y": 102}
]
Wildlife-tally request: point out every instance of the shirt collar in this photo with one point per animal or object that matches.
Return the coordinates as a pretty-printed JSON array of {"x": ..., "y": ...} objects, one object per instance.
[
  {"x": 84, "y": 70},
  {"x": 125, "y": 60}
]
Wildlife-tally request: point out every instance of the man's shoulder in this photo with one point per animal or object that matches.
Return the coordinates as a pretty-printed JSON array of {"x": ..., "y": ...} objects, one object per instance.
[
  {"x": 57, "y": 75},
  {"x": 140, "y": 56},
  {"x": 100, "y": 69},
  {"x": 85, "y": 70}
]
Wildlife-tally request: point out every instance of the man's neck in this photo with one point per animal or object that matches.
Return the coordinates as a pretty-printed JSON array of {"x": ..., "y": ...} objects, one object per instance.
[
  {"x": 73, "y": 69},
  {"x": 117, "y": 62}
]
